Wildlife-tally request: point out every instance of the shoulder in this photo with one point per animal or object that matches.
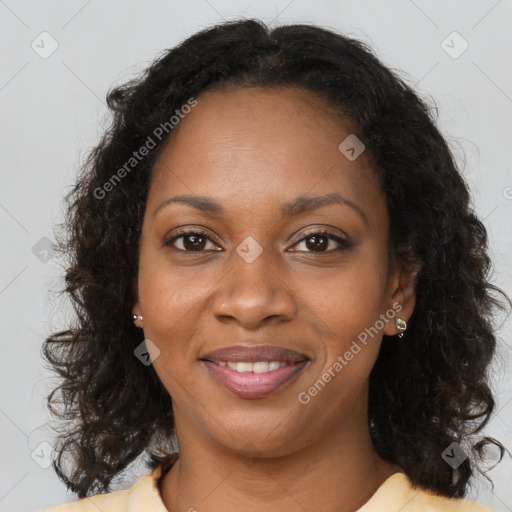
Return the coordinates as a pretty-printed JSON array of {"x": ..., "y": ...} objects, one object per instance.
[
  {"x": 113, "y": 502},
  {"x": 143, "y": 495},
  {"x": 398, "y": 493},
  {"x": 427, "y": 502}
]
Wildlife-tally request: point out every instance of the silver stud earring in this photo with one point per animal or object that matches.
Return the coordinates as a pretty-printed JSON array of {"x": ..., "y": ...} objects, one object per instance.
[
  {"x": 401, "y": 325},
  {"x": 137, "y": 318}
]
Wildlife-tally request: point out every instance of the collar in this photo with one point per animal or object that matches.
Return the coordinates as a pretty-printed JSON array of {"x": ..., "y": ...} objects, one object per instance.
[
  {"x": 144, "y": 495},
  {"x": 395, "y": 493}
]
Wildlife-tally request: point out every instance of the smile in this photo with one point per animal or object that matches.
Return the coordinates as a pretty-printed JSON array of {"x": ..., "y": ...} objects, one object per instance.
[
  {"x": 254, "y": 371},
  {"x": 254, "y": 380},
  {"x": 259, "y": 367}
]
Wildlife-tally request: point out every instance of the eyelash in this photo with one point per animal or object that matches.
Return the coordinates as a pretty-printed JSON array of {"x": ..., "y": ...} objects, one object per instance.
[{"x": 343, "y": 243}]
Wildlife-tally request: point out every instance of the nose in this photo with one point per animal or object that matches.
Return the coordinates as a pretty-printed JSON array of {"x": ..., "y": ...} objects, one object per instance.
[{"x": 252, "y": 294}]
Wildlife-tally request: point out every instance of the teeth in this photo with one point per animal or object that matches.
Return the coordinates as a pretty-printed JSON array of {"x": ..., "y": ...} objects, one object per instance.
[
  {"x": 243, "y": 367},
  {"x": 259, "y": 367}
]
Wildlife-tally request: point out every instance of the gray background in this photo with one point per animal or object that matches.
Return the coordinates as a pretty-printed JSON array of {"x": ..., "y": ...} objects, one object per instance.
[{"x": 52, "y": 111}]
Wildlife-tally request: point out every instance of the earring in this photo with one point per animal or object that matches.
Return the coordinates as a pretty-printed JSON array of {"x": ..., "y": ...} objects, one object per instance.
[
  {"x": 401, "y": 325},
  {"x": 137, "y": 318}
]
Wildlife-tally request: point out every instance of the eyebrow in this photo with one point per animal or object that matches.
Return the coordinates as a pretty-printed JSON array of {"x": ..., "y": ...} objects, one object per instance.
[{"x": 299, "y": 205}]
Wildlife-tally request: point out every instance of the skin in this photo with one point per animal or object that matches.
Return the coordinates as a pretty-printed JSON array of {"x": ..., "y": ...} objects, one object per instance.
[{"x": 253, "y": 150}]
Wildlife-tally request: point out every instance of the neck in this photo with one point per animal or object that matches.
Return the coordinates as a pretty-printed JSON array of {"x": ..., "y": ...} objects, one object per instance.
[{"x": 339, "y": 472}]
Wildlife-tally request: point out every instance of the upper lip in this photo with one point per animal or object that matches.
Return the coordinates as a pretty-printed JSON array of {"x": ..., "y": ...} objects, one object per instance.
[{"x": 254, "y": 353}]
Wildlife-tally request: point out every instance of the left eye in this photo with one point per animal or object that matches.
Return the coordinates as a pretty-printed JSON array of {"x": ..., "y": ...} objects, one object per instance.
[{"x": 319, "y": 242}]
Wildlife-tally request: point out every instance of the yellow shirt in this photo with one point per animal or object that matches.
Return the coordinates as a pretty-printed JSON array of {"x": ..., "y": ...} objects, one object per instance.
[{"x": 395, "y": 494}]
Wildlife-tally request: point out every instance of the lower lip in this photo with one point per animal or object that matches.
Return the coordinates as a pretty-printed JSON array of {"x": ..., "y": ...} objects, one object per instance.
[{"x": 254, "y": 385}]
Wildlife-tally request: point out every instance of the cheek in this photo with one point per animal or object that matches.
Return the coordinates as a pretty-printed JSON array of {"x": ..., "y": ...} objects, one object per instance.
[
  {"x": 172, "y": 314},
  {"x": 347, "y": 299},
  {"x": 172, "y": 302},
  {"x": 348, "y": 305}
]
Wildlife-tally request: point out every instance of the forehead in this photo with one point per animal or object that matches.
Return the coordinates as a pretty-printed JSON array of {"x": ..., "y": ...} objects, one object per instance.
[{"x": 256, "y": 145}]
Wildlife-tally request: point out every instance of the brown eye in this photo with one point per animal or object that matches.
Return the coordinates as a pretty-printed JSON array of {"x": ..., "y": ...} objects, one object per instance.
[
  {"x": 317, "y": 243},
  {"x": 323, "y": 242},
  {"x": 190, "y": 241}
]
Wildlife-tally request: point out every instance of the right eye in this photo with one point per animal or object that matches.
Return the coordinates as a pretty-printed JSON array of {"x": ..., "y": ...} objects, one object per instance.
[{"x": 190, "y": 241}]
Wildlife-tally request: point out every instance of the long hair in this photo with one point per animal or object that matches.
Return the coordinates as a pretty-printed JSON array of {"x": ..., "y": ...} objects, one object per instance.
[{"x": 425, "y": 393}]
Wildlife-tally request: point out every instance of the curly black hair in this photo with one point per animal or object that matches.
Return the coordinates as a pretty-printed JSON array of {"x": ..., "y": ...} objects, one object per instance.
[{"x": 425, "y": 393}]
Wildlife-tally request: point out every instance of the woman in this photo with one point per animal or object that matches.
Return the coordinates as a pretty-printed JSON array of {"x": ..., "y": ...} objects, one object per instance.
[{"x": 274, "y": 259}]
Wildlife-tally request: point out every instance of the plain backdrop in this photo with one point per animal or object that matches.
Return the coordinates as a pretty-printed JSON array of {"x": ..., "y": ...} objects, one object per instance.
[{"x": 58, "y": 60}]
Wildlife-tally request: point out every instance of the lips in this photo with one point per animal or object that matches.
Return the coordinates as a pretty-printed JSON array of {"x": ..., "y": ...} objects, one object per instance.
[
  {"x": 254, "y": 371},
  {"x": 254, "y": 354}
]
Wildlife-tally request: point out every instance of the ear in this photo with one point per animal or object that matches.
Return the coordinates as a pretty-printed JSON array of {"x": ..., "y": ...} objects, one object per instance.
[
  {"x": 401, "y": 293},
  {"x": 136, "y": 309}
]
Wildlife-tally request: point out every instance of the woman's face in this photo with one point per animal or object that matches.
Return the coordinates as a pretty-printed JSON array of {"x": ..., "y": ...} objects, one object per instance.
[{"x": 259, "y": 276}]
